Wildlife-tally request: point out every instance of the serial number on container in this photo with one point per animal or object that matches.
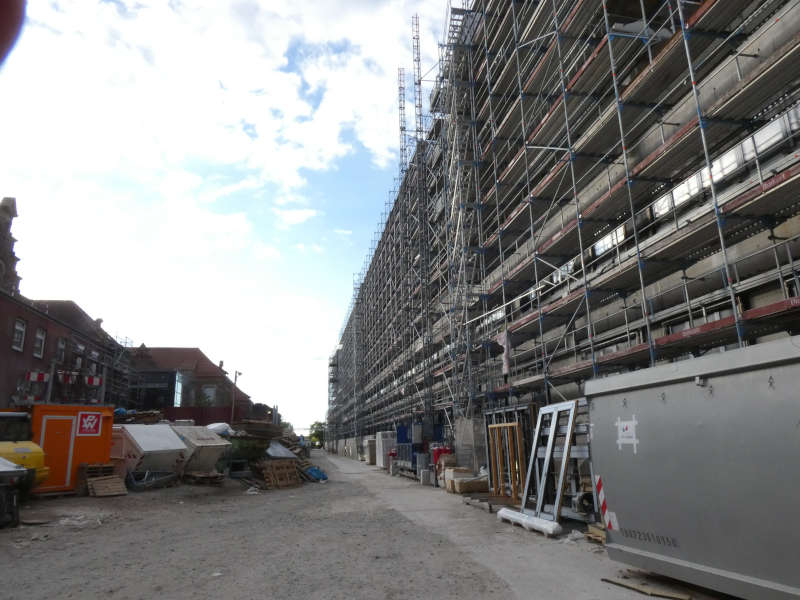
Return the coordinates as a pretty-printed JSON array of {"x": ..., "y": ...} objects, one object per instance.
[{"x": 649, "y": 536}]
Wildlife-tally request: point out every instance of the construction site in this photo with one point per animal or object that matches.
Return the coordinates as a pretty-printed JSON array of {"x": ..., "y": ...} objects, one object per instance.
[{"x": 587, "y": 272}]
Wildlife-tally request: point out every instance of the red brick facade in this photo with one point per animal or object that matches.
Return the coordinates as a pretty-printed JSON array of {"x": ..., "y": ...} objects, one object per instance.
[{"x": 68, "y": 356}]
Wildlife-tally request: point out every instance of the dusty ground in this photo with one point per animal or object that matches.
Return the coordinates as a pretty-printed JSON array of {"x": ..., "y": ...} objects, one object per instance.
[{"x": 361, "y": 535}]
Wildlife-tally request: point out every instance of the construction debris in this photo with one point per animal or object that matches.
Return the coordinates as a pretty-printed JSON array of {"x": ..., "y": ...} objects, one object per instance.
[
  {"x": 265, "y": 430},
  {"x": 595, "y": 534},
  {"x": 204, "y": 477},
  {"x": 138, "y": 417}
]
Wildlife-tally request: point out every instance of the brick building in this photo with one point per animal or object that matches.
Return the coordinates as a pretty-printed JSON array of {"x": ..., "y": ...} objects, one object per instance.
[
  {"x": 173, "y": 378},
  {"x": 52, "y": 351}
]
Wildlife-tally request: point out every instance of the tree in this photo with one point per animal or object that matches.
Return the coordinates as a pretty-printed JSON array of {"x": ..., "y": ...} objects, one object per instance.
[{"x": 317, "y": 432}]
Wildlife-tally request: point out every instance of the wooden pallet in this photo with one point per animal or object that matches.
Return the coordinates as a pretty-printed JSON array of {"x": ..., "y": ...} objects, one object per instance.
[
  {"x": 279, "y": 473},
  {"x": 88, "y": 471},
  {"x": 303, "y": 464},
  {"x": 110, "y": 485}
]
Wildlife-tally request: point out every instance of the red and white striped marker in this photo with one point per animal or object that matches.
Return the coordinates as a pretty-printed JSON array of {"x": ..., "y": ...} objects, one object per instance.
[
  {"x": 37, "y": 376},
  {"x": 67, "y": 378},
  {"x": 609, "y": 518},
  {"x": 95, "y": 381}
]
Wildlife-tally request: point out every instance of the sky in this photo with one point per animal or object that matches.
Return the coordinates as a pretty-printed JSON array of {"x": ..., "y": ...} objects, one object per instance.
[{"x": 209, "y": 173}]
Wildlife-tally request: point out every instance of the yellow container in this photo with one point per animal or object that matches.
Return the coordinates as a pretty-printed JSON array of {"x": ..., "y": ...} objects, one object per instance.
[{"x": 28, "y": 455}]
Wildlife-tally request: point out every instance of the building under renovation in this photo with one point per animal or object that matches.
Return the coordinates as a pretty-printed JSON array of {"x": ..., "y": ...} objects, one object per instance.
[{"x": 598, "y": 188}]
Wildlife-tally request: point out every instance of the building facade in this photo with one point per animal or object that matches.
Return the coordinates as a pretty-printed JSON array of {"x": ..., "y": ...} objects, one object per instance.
[
  {"x": 52, "y": 351},
  {"x": 174, "y": 378},
  {"x": 599, "y": 187}
]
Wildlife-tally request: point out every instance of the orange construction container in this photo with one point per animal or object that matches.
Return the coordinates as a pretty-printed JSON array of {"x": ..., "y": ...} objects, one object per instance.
[{"x": 70, "y": 435}]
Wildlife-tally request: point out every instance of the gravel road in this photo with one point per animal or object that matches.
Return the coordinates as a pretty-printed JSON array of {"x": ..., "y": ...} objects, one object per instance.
[
  {"x": 329, "y": 540},
  {"x": 362, "y": 534}
]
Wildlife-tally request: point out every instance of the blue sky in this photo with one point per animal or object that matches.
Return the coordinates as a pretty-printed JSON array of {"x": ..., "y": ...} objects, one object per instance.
[{"x": 209, "y": 173}]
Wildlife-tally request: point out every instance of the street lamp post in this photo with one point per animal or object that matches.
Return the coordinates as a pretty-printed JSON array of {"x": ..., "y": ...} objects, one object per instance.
[{"x": 233, "y": 394}]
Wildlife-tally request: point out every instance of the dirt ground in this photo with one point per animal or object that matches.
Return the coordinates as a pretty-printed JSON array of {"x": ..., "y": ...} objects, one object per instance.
[{"x": 362, "y": 534}]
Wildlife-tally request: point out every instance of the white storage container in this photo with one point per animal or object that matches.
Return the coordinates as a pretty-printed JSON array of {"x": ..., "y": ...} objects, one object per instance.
[
  {"x": 148, "y": 448},
  {"x": 204, "y": 447}
]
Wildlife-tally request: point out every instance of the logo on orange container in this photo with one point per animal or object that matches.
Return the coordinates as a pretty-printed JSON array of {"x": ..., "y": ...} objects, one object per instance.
[{"x": 89, "y": 423}]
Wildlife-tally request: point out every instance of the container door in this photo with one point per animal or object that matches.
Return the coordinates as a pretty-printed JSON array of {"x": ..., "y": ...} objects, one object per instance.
[{"x": 57, "y": 440}]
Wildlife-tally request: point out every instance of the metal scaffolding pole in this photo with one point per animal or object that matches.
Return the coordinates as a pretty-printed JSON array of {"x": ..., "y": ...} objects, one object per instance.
[
  {"x": 629, "y": 182},
  {"x": 701, "y": 126},
  {"x": 423, "y": 246},
  {"x": 528, "y": 191},
  {"x": 586, "y": 292}
]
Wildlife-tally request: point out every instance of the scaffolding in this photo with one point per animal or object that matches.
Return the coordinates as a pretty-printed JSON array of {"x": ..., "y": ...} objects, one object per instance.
[{"x": 599, "y": 187}]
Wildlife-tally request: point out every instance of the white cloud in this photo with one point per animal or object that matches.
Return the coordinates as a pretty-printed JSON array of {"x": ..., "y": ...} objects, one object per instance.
[
  {"x": 265, "y": 252},
  {"x": 208, "y": 83},
  {"x": 294, "y": 216},
  {"x": 138, "y": 129}
]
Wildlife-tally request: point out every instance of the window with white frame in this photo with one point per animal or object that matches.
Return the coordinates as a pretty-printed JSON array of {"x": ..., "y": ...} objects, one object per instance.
[
  {"x": 18, "y": 341},
  {"x": 61, "y": 349},
  {"x": 39, "y": 341},
  {"x": 609, "y": 241},
  {"x": 662, "y": 206},
  {"x": 768, "y": 136},
  {"x": 681, "y": 193},
  {"x": 725, "y": 164},
  {"x": 563, "y": 271}
]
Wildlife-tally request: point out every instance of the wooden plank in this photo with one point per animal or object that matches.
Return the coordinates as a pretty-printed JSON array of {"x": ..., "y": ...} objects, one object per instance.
[
  {"x": 512, "y": 465},
  {"x": 523, "y": 468},
  {"x": 493, "y": 451},
  {"x": 647, "y": 590},
  {"x": 502, "y": 462}
]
